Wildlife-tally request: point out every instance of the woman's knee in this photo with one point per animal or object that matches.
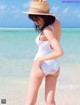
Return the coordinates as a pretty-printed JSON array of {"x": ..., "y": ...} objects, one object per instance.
[{"x": 50, "y": 102}]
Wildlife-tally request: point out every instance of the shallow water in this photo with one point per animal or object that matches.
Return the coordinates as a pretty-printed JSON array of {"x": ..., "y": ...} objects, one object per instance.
[{"x": 18, "y": 48}]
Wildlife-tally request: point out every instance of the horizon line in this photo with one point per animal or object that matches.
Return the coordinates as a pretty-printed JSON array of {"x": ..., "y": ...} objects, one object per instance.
[{"x": 28, "y": 27}]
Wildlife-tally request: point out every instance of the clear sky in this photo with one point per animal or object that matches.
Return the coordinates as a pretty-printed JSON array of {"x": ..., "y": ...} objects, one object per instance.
[{"x": 11, "y": 16}]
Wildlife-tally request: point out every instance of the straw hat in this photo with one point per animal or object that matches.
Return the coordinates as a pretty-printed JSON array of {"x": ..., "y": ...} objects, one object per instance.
[{"x": 39, "y": 8}]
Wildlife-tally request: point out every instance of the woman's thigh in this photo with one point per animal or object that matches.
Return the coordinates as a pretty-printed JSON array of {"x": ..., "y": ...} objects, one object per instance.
[
  {"x": 36, "y": 74},
  {"x": 36, "y": 70},
  {"x": 35, "y": 80},
  {"x": 50, "y": 86}
]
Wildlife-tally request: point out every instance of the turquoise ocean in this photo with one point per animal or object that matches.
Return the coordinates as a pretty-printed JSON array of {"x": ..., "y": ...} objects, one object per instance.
[{"x": 18, "y": 49}]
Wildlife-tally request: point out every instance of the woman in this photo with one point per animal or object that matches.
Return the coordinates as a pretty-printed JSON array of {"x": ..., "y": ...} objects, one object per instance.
[{"x": 45, "y": 62}]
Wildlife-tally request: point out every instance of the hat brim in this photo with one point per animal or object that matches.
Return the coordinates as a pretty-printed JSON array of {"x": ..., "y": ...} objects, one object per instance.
[{"x": 32, "y": 13}]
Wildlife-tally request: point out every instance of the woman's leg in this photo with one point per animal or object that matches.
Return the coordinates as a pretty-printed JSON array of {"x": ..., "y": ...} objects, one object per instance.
[
  {"x": 35, "y": 80},
  {"x": 50, "y": 87}
]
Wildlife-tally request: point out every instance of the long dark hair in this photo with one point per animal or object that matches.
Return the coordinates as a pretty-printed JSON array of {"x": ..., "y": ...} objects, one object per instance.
[{"x": 48, "y": 20}]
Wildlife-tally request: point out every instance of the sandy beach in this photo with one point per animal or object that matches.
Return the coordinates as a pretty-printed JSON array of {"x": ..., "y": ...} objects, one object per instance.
[
  {"x": 67, "y": 91},
  {"x": 15, "y": 94}
]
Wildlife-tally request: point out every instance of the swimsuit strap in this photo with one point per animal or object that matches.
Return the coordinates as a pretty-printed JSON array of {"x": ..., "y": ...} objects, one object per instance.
[{"x": 52, "y": 27}]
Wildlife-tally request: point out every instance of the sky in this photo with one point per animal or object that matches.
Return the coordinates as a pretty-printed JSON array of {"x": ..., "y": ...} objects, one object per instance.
[{"x": 11, "y": 16}]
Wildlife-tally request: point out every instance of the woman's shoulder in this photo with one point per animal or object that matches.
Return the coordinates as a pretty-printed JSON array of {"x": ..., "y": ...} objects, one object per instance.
[
  {"x": 47, "y": 29},
  {"x": 57, "y": 22},
  {"x": 55, "y": 25}
]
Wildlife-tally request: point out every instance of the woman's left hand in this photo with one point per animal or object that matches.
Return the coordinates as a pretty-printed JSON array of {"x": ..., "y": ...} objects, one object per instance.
[{"x": 38, "y": 61}]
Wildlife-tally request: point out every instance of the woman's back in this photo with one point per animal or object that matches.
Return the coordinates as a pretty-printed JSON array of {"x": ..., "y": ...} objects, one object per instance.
[{"x": 57, "y": 29}]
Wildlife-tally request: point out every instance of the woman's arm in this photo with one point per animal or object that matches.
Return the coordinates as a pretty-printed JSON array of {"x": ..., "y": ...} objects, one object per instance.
[{"x": 57, "y": 50}]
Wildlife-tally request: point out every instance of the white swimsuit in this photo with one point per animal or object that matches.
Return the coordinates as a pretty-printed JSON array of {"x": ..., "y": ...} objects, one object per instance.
[{"x": 47, "y": 66}]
